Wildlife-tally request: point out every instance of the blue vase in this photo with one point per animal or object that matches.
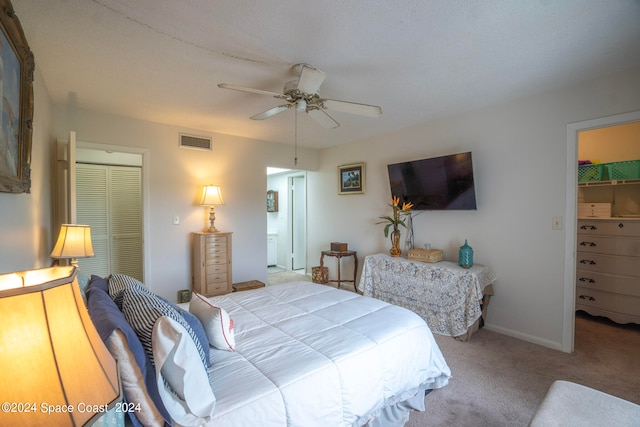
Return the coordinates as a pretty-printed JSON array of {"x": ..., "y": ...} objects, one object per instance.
[{"x": 465, "y": 255}]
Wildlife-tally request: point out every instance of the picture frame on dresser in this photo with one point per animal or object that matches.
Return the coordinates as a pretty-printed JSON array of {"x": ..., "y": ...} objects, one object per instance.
[{"x": 17, "y": 103}]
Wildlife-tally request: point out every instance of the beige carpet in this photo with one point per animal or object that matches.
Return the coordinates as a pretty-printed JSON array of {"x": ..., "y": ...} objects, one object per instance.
[{"x": 500, "y": 381}]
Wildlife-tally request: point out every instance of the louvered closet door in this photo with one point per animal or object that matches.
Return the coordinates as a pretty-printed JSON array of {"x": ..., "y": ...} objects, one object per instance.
[{"x": 109, "y": 198}]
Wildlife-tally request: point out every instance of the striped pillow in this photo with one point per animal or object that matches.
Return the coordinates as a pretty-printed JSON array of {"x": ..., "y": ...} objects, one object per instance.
[
  {"x": 119, "y": 282},
  {"x": 142, "y": 309}
]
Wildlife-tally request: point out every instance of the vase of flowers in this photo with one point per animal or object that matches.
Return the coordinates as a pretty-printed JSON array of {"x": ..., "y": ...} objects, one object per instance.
[{"x": 395, "y": 221}]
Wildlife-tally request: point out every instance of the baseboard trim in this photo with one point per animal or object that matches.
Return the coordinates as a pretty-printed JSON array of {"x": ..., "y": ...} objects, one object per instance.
[{"x": 524, "y": 337}]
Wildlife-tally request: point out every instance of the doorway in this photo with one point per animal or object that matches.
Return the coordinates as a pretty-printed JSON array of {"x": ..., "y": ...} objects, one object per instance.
[
  {"x": 573, "y": 130},
  {"x": 287, "y": 223}
]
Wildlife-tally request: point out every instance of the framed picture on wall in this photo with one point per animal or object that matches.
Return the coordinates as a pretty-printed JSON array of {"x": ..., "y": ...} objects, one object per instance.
[
  {"x": 351, "y": 179},
  {"x": 272, "y": 201},
  {"x": 16, "y": 104}
]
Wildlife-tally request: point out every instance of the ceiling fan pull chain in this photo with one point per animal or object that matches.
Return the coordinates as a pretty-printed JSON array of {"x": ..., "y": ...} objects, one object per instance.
[{"x": 295, "y": 137}]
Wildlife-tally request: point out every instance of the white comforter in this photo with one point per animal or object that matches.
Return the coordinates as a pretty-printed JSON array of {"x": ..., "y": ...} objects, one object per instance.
[{"x": 311, "y": 355}]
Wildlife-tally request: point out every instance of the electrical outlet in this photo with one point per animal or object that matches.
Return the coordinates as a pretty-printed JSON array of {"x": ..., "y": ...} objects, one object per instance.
[
  {"x": 556, "y": 223},
  {"x": 176, "y": 220}
]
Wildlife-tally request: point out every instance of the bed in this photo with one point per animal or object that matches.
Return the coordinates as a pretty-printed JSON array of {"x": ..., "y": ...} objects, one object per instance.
[{"x": 300, "y": 354}]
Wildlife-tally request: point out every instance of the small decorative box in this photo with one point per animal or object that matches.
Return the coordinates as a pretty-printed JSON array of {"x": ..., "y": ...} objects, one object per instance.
[
  {"x": 425, "y": 255},
  {"x": 320, "y": 275},
  {"x": 338, "y": 247}
]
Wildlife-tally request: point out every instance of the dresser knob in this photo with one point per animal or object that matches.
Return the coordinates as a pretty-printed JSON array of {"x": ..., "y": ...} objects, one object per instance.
[
  {"x": 586, "y": 279},
  {"x": 587, "y": 297},
  {"x": 587, "y": 261}
]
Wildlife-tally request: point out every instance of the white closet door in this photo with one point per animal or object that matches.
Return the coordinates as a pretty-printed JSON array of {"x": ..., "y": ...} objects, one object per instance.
[
  {"x": 126, "y": 220},
  {"x": 109, "y": 198}
]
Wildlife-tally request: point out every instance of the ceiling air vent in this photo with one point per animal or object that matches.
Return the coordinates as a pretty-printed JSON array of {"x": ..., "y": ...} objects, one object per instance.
[{"x": 197, "y": 142}]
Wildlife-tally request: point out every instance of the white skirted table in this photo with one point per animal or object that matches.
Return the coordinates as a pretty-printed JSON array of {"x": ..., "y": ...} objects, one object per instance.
[{"x": 451, "y": 299}]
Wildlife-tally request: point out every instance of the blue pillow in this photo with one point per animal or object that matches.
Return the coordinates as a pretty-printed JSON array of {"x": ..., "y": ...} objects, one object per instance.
[
  {"x": 98, "y": 282},
  {"x": 197, "y": 327},
  {"x": 107, "y": 317}
]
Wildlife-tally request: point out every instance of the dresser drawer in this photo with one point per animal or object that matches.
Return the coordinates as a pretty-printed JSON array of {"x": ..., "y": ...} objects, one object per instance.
[
  {"x": 627, "y": 285},
  {"x": 216, "y": 270},
  {"x": 609, "y": 227},
  {"x": 629, "y": 246},
  {"x": 216, "y": 288},
  {"x": 618, "y": 303},
  {"x": 217, "y": 244},
  {"x": 612, "y": 264}
]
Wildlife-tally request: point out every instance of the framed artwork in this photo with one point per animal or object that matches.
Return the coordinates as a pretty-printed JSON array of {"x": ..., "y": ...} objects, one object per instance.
[
  {"x": 16, "y": 103},
  {"x": 351, "y": 179},
  {"x": 272, "y": 201}
]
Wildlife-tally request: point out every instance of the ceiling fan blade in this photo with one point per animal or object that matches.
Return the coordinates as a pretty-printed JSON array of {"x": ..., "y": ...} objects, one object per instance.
[
  {"x": 352, "y": 108},
  {"x": 251, "y": 90},
  {"x": 271, "y": 112},
  {"x": 310, "y": 79},
  {"x": 322, "y": 118}
]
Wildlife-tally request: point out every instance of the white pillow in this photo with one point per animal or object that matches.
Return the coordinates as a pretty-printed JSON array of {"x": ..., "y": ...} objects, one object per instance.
[
  {"x": 183, "y": 381},
  {"x": 216, "y": 322}
]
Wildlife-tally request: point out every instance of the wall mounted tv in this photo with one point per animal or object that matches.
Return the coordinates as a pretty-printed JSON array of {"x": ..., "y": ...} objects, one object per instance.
[{"x": 438, "y": 183}]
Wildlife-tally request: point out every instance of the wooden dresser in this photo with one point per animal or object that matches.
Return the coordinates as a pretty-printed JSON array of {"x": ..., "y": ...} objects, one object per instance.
[
  {"x": 212, "y": 263},
  {"x": 608, "y": 268}
]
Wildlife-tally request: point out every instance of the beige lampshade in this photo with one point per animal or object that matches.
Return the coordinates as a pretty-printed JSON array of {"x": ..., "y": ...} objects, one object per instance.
[
  {"x": 211, "y": 195},
  {"x": 50, "y": 352},
  {"x": 74, "y": 241}
]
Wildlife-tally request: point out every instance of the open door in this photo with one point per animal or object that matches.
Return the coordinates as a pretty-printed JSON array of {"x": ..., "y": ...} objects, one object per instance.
[{"x": 65, "y": 200}]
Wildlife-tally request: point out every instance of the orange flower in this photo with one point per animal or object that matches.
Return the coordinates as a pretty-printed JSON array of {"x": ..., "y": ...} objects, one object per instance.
[{"x": 398, "y": 214}]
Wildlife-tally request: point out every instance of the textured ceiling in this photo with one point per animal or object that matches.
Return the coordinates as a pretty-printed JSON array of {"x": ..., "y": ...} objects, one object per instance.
[{"x": 161, "y": 60}]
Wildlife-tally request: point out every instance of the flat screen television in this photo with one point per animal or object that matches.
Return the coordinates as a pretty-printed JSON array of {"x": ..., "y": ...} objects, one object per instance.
[{"x": 438, "y": 183}]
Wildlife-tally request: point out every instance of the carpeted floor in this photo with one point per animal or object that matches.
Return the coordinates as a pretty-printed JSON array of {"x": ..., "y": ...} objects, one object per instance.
[
  {"x": 500, "y": 381},
  {"x": 283, "y": 276}
]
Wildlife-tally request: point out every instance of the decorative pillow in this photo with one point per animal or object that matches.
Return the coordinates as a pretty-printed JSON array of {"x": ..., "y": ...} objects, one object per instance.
[
  {"x": 132, "y": 381},
  {"x": 195, "y": 324},
  {"x": 216, "y": 321},
  {"x": 107, "y": 317},
  {"x": 183, "y": 382},
  {"x": 142, "y": 309},
  {"x": 98, "y": 282},
  {"x": 119, "y": 282}
]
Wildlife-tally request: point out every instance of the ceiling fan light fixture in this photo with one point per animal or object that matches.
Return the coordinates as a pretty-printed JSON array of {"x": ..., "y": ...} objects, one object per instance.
[{"x": 301, "y": 105}]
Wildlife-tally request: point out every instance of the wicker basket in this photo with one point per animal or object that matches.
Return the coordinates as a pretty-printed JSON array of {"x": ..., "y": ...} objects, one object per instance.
[{"x": 425, "y": 255}]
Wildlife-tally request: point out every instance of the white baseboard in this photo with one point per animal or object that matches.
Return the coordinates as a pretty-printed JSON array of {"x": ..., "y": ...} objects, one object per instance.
[{"x": 524, "y": 337}]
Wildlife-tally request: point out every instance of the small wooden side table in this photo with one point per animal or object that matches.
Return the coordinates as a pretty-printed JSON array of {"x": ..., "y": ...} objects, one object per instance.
[{"x": 339, "y": 255}]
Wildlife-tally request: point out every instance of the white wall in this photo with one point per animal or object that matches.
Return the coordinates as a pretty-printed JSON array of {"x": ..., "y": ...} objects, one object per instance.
[
  {"x": 25, "y": 219},
  {"x": 176, "y": 178},
  {"x": 519, "y": 152}
]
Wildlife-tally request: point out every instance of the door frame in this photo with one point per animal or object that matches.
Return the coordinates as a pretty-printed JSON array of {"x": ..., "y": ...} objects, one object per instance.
[
  {"x": 292, "y": 207},
  {"x": 146, "y": 227},
  {"x": 571, "y": 217}
]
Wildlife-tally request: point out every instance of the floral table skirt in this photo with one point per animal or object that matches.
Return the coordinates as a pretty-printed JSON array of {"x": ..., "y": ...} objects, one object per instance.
[{"x": 447, "y": 296}]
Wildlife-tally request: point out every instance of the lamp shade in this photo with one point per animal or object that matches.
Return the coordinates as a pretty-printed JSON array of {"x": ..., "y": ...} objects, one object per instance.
[
  {"x": 74, "y": 241},
  {"x": 52, "y": 358},
  {"x": 211, "y": 195}
]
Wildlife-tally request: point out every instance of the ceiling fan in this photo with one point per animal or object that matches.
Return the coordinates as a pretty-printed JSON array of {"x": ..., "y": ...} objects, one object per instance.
[{"x": 302, "y": 94}]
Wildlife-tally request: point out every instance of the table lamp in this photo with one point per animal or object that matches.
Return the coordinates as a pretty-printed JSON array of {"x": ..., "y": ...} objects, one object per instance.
[
  {"x": 74, "y": 241},
  {"x": 211, "y": 196},
  {"x": 56, "y": 369}
]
